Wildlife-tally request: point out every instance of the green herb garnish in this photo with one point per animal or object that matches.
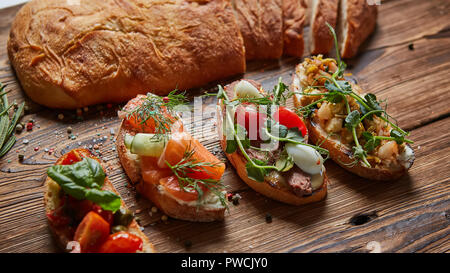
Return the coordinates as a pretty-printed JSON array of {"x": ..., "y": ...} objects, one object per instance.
[
  {"x": 188, "y": 165},
  {"x": 7, "y": 125},
  {"x": 84, "y": 180},
  {"x": 338, "y": 90}
]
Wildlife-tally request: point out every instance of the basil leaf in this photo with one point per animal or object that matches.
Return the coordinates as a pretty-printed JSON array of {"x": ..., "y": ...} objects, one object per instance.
[
  {"x": 255, "y": 173},
  {"x": 105, "y": 199},
  {"x": 352, "y": 120},
  {"x": 83, "y": 180}
]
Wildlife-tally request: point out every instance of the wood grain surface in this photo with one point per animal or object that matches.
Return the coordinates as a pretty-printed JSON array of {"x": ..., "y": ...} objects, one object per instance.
[{"x": 406, "y": 61}]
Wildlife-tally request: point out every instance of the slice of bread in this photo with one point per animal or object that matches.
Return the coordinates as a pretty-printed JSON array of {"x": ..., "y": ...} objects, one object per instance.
[
  {"x": 357, "y": 20},
  {"x": 293, "y": 20},
  {"x": 52, "y": 200},
  {"x": 342, "y": 154},
  {"x": 280, "y": 192},
  {"x": 155, "y": 193},
  {"x": 322, "y": 11}
]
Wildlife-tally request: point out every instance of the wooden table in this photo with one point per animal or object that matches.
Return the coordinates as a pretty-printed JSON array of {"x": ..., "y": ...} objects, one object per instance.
[{"x": 406, "y": 61}]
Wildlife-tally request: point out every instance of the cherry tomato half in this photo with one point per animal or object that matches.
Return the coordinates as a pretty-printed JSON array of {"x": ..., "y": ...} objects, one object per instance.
[
  {"x": 251, "y": 119},
  {"x": 105, "y": 214},
  {"x": 92, "y": 232},
  {"x": 290, "y": 119},
  {"x": 122, "y": 242}
]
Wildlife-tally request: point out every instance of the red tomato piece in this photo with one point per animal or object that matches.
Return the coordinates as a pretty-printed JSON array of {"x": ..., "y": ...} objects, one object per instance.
[
  {"x": 92, "y": 232},
  {"x": 106, "y": 214},
  {"x": 289, "y": 119},
  {"x": 122, "y": 242},
  {"x": 251, "y": 119}
]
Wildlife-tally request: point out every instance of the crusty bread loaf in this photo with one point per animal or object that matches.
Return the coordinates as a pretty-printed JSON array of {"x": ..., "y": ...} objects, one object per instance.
[
  {"x": 163, "y": 201},
  {"x": 322, "y": 11},
  {"x": 293, "y": 20},
  {"x": 357, "y": 20},
  {"x": 261, "y": 25},
  {"x": 67, "y": 55},
  {"x": 52, "y": 200}
]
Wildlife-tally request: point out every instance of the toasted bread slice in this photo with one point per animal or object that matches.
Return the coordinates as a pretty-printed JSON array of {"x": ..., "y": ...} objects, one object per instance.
[
  {"x": 52, "y": 200},
  {"x": 341, "y": 153},
  {"x": 279, "y": 191},
  {"x": 357, "y": 20},
  {"x": 322, "y": 12},
  {"x": 170, "y": 205},
  {"x": 293, "y": 20}
]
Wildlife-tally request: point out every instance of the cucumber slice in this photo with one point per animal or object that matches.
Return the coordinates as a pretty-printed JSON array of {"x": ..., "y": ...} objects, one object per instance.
[
  {"x": 128, "y": 139},
  {"x": 147, "y": 144},
  {"x": 284, "y": 163}
]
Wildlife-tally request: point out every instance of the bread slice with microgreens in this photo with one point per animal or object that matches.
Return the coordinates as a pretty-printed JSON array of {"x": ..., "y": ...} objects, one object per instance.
[{"x": 351, "y": 124}]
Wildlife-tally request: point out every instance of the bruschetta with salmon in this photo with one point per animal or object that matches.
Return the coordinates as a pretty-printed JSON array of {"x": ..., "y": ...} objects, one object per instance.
[
  {"x": 353, "y": 125},
  {"x": 84, "y": 211},
  {"x": 166, "y": 164},
  {"x": 266, "y": 143}
]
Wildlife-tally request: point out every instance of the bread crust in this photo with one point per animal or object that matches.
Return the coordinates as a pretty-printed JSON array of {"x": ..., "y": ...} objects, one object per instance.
[
  {"x": 322, "y": 11},
  {"x": 261, "y": 25},
  {"x": 51, "y": 200},
  {"x": 70, "y": 56},
  {"x": 281, "y": 194},
  {"x": 361, "y": 19},
  {"x": 163, "y": 201},
  {"x": 293, "y": 21},
  {"x": 341, "y": 154}
]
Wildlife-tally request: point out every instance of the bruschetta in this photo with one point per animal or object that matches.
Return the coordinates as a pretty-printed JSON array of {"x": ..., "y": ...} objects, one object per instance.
[
  {"x": 266, "y": 144},
  {"x": 166, "y": 164},
  {"x": 357, "y": 20},
  {"x": 84, "y": 211},
  {"x": 351, "y": 125}
]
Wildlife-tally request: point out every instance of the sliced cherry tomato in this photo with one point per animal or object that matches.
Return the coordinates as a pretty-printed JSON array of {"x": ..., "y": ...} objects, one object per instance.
[
  {"x": 175, "y": 151},
  {"x": 172, "y": 185},
  {"x": 289, "y": 119},
  {"x": 251, "y": 119},
  {"x": 105, "y": 214},
  {"x": 71, "y": 158},
  {"x": 122, "y": 242},
  {"x": 92, "y": 232}
]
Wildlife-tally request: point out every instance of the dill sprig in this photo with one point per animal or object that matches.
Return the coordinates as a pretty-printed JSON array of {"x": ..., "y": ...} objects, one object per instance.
[
  {"x": 158, "y": 109},
  {"x": 188, "y": 165}
]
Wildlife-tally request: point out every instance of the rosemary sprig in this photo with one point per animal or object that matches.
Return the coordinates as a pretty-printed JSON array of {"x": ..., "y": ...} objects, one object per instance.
[
  {"x": 186, "y": 166},
  {"x": 7, "y": 138}
]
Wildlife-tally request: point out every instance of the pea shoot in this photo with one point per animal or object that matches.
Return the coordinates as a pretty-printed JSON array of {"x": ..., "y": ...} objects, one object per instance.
[{"x": 339, "y": 90}]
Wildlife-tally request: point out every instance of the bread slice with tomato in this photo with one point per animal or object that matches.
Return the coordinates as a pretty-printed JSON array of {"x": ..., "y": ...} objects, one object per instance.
[
  {"x": 296, "y": 174},
  {"x": 84, "y": 211},
  {"x": 166, "y": 164}
]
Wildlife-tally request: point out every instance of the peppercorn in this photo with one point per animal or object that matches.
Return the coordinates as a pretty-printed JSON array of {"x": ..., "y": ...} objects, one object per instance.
[
  {"x": 187, "y": 243},
  {"x": 21, "y": 157},
  {"x": 19, "y": 128},
  {"x": 164, "y": 218},
  {"x": 268, "y": 218},
  {"x": 69, "y": 130},
  {"x": 29, "y": 126},
  {"x": 411, "y": 46}
]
